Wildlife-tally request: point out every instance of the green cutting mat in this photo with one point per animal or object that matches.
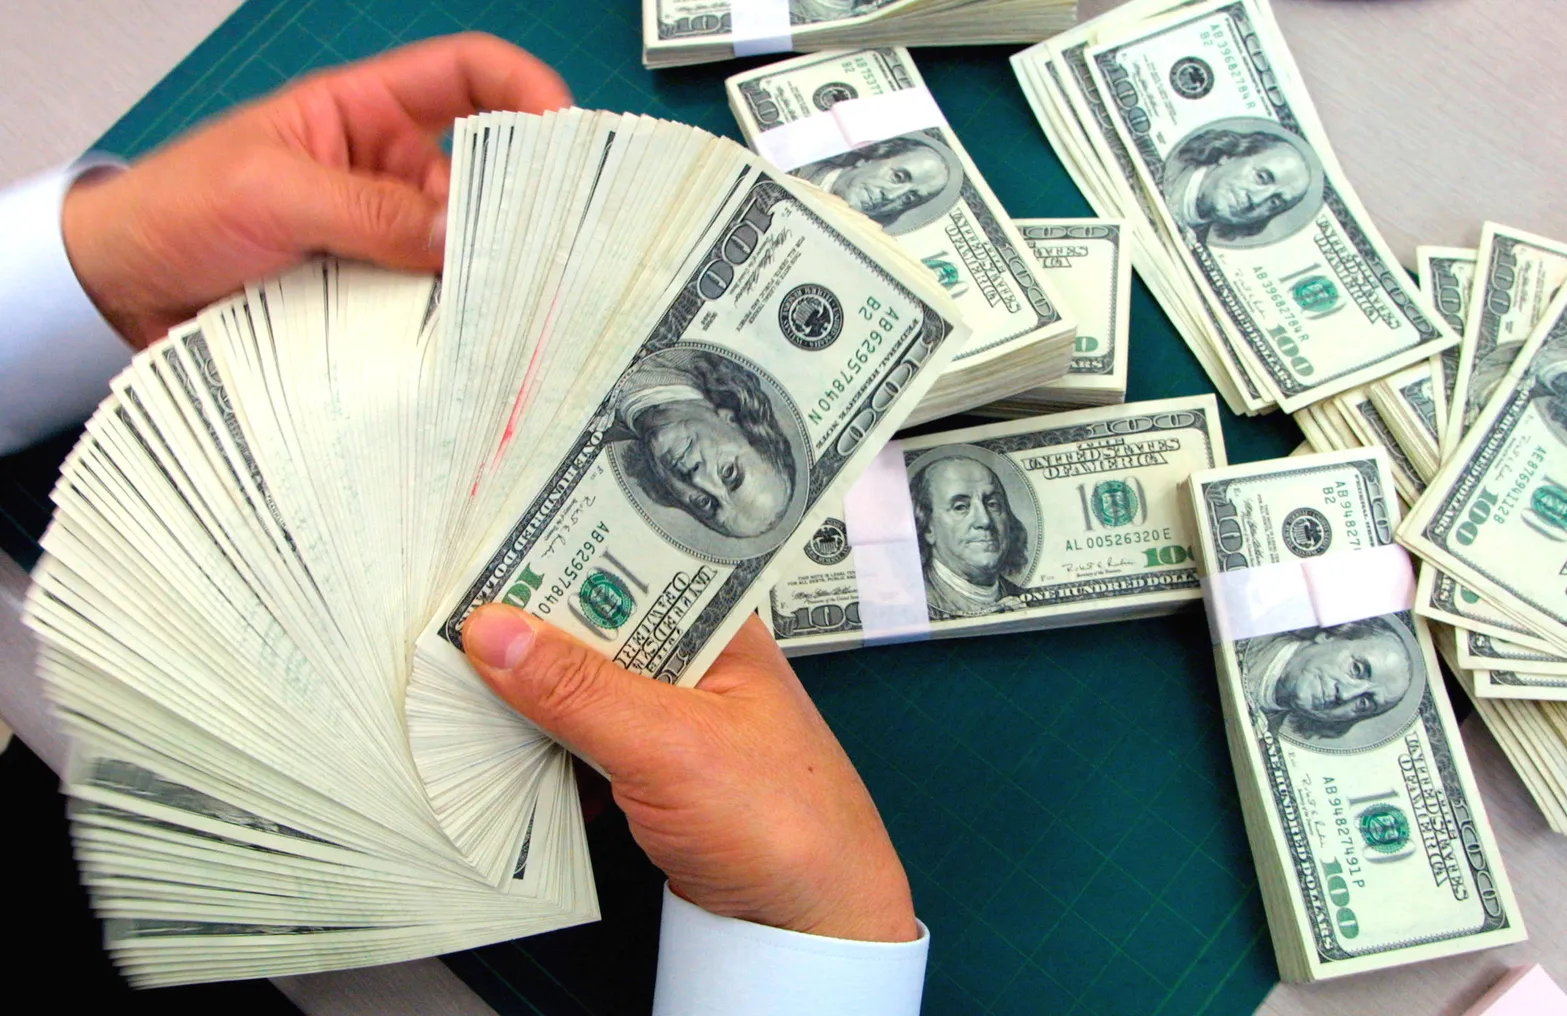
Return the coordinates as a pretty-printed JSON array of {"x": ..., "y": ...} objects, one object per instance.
[{"x": 1064, "y": 800}]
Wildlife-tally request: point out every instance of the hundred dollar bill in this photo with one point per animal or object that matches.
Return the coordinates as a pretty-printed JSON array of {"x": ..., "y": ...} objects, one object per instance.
[
  {"x": 1447, "y": 279},
  {"x": 1495, "y": 517},
  {"x": 1517, "y": 684},
  {"x": 784, "y": 350},
  {"x": 1039, "y": 523},
  {"x": 1517, "y": 274},
  {"x": 1531, "y": 734},
  {"x": 1522, "y": 272},
  {"x": 1077, "y": 120},
  {"x": 1408, "y": 401},
  {"x": 1225, "y": 140},
  {"x": 1369, "y": 836},
  {"x": 1370, "y": 429},
  {"x": 693, "y": 31},
  {"x": 1089, "y": 263},
  {"x": 923, "y": 188},
  {"x": 1479, "y": 651},
  {"x": 676, "y": 32},
  {"x": 1439, "y": 598}
]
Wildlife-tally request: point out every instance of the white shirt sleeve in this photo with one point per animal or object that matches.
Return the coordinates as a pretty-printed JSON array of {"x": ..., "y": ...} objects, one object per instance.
[
  {"x": 720, "y": 966},
  {"x": 57, "y": 353}
]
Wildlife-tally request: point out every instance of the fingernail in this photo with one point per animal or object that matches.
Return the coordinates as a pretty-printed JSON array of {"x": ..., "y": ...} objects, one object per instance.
[
  {"x": 497, "y": 636},
  {"x": 437, "y": 238}
]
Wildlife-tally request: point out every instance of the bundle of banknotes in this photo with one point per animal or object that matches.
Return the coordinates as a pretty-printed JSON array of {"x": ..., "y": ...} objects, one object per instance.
[
  {"x": 1192, "y": 121},
  {"x": 1088, "y": 262},
  {"x": 676, "y": 32},
  {"x": 1371, "y": 842},
  {"x": 652, "y": 364},
  {"x": 910, "y": 174},
  {"x": 1037, "y": 523}
]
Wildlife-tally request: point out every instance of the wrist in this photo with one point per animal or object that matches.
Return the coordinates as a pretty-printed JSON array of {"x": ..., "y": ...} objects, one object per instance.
[
  {"x": 868, "y": 902},
  {"x": 96, "y": 244},
  {"x": 879, "y": 910}
]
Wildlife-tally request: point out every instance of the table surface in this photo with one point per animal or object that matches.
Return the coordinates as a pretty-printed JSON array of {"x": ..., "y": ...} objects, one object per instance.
[{"x": 1063, "y": 800}]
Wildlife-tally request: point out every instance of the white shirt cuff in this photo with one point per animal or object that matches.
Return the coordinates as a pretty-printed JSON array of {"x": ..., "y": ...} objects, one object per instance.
[
  {"x": 57, "y": 353},
  {"x": 720, "y": 966}
]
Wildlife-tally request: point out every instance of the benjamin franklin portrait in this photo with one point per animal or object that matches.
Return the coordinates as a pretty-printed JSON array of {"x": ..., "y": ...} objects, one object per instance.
[
  {"x": 803, "y": 12},
  {"x": 970, "y": 538},
  {"x": 903, "y": 183},
  {"x": 1230, "y": 184},
  {"x": 697, "y": 432},
  {"x": 1319, "y": 685}
]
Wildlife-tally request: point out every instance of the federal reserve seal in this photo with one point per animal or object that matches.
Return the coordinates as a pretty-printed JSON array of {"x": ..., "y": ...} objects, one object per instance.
[
  {"x": 829, "y": 544},
  {"x": 832, "y": 93},
  {"x": 1191, "y": 77},
  {"x": 1114, "y": 502},
  {"x": 1384, "y": 828},
  {"x": 1306, "y": 532},
  {"x": 606, "y": 602},
  {"x": 810, "y": 316}
]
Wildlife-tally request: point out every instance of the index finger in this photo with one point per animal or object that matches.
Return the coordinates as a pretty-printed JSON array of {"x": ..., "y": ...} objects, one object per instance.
[{"x": 436, "y": 81}]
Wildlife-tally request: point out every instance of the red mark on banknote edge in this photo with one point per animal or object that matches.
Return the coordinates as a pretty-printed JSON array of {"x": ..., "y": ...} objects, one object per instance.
[{"x": 521, "y": 401}]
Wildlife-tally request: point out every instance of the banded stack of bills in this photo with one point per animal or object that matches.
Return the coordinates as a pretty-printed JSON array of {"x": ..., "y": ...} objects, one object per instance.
[
  {"x": 654, "y": 362},
  {"x": 1192, "y": 121},
  {"x": 1371, "y": 843},
  {"x": 677, "y": 32},
  {"x": 1045, "y": 522},
  {"x": 1088, "y": 262},
  {"x": 923, "y": 188}
]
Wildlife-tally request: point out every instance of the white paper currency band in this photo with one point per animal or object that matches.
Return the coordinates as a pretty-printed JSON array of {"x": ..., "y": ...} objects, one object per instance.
[
  {"x": 848, "y": 125},
  {"x": 879, "y": 516},
  {"x": 1317, "y": 592},
  {"x": 757, "y": 27}
]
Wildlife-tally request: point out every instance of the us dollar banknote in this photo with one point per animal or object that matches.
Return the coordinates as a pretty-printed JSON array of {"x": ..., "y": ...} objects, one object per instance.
[
  {"x": 1370, "y": 840},
  {"x": 922, "y": 188},
  {"x": 1408, "y": 401},
  {"x": 1517, "y": 274},
  {"x": 677, "y": 32},
  {"x": 1045, "y": 522},
  {"x": 1447, "y": 280},
  {"x": 1089, "y": 262},
  {"x": 1495, "y": 518},
  {"x": 1447, "y": 277},
  {"x": 1521, "y": 273},
  {"x": 1225, "y": 140},
  {"x": 784, "y": 347}
]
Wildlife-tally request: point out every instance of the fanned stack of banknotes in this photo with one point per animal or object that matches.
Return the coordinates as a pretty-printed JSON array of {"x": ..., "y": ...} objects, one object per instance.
[
  {"x": 639, "y": 404},
  {"x": 677, "y": 32},
  {"x": 652, "y": 364},
  {"x": 1461, "y": 455}
]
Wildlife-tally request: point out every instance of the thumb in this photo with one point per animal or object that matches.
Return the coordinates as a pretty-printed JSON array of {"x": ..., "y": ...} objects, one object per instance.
[
  {"x": 367, "y": 218},
  {"x": 601, "y": 711}
]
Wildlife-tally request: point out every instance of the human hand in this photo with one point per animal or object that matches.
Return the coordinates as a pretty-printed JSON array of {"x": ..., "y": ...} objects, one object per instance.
[
  {"x": 736, "y": 788},
  {"x": 346, "y": 161}
]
